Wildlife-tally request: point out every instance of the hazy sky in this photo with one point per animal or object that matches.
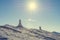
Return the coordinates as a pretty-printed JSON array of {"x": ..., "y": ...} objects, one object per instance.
[{"x": 33, "y": 13}]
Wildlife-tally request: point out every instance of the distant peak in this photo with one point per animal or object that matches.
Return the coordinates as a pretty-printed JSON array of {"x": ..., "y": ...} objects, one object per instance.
[
  {"x": 19, "y": 21},
  {"x": 20, "y": 24}
]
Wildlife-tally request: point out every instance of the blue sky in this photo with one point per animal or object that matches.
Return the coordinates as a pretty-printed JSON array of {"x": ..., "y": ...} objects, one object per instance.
[{"x": 47, "y": 15}]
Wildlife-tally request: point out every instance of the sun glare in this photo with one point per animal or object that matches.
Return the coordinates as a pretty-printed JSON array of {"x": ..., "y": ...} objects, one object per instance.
[{"x": 32, "y": 6}]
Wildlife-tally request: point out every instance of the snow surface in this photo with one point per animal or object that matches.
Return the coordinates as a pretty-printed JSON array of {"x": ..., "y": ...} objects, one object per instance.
[{"x": 12, "y": 33}]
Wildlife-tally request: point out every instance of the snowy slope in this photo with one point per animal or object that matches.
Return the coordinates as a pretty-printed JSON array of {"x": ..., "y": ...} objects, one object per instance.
[{"x": 13, "y": 33}]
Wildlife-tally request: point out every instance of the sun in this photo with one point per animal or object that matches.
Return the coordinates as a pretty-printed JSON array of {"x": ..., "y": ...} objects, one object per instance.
[{"x": 32, "y": 6}]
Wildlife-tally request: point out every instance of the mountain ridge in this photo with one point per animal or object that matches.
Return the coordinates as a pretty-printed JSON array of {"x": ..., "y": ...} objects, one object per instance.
[{"x": 21, "y": 33}]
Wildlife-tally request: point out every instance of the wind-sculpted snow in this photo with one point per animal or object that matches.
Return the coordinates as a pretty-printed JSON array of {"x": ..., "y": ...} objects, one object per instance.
[{"x": 12, "y": 33}]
